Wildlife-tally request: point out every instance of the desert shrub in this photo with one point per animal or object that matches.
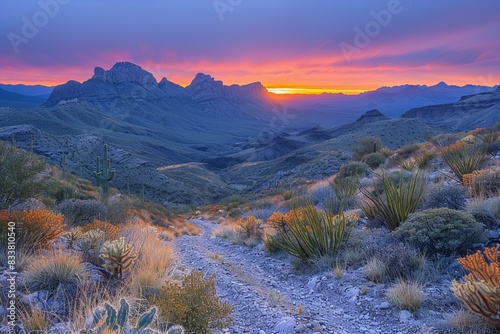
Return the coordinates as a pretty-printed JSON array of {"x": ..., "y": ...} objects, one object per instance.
[
  {"x": 110, "y": 231},
  {"x": 194, "y": 304},
  {"x": 386, "y": 152},
  {"x": 481, "y": 290},
  {"x": 234, "y": 212},
  {"x": 354, "y": 168},
  {"x": 307, "y": 233},
  {"x": 408, "y": 150},
  {"x": 463, "y": 158},
  {"x": 408, "y": 164},
  {"x": 34, "y": 227},
  {"x": 482, "y": 183},
  {"x": 394, "y": 177},
  {"x": 18, "y": 170},
  {"x": 445, "y": 196},
  {"x": 345, "y": 188},
  {"x": 48, "y": 271},
  {"x": 400, "y": 260},
  {"x": 82, "y": 212},
  {"x": 444, "y": 231},
  {"x": 493, "y": 147},
  {"x": 366, "y": 145},
  {"x": 397, "y": 202},
  {"x": 249, "y": 227},
  {"x": 486, "y": 211},
  {"x": 373, "y": 160},
  {"x": 64, "y": 190},
  {"x": 406, "y": 295}
]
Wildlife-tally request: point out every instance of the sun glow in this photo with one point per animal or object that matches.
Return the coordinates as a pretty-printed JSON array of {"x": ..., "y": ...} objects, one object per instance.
[{"x": 279, "y": 90}]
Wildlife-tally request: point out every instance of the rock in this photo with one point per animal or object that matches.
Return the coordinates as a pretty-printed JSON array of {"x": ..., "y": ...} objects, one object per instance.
[
  {"x": 285, "y": 325},
  {"x": 384, "y": 306},
  {"x": 60, "y": 328},
  {"x": 405, "y": 316},
  {"x": 300, "y": 328},
  {"x": 312, "y": 283}
]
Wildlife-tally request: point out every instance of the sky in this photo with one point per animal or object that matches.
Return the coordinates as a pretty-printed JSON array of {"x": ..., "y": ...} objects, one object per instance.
[{"x": 290, "y": 46}]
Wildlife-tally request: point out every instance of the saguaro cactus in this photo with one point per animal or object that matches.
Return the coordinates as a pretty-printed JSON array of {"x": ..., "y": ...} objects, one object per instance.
[
  {"x": 104, "y": 174},
  {"x": 62, "y": 164}
]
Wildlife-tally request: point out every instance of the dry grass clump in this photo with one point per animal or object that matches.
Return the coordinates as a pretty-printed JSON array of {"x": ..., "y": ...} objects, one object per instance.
[
  {"x": 375, "y": 270},
  {"x": 34, "y": 320},
  {"x": 406, "y": 295},
  {"x": 155, "y": 263},
  {"x": 49, "y": 270},
  {"x": 465, "y": 322},
  {"x": 226, "y": 230}
]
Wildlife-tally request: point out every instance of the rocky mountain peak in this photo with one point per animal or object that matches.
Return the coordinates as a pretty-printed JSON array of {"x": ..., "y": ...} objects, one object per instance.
[
  {"x": 124, "y": 72},
  {"x": 372, "y": 116}
]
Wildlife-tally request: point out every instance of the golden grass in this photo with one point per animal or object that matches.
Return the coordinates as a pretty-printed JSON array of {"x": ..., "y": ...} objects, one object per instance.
[
  {"x": 226, "y": 231},
  {"x": 49, "y": 270},
  {"x": 375, "y": 270},
  {"x": 464, "y": 321},
  {"x": 406, "y": 295},
  {"x": 154, "y": 265},
  {"x": 34, "y": 320}
]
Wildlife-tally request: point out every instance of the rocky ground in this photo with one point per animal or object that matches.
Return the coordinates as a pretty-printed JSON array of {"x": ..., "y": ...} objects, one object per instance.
[{"x": 269, "y": 296}]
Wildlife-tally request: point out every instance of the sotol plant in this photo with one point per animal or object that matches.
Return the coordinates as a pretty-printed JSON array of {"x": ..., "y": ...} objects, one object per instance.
[
  {"x": 481, "y": 290},
  {"x": 118, "y": 256},
  {"x": 397, "y": 202},
  {"x": 463, "y": 158}
]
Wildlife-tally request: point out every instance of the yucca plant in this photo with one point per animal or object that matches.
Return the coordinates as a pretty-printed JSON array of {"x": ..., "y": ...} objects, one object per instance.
[
  {"x": 118, "y": 256},
  {"x": 310, "y": 233},
  {"x": 463, "y": 158},
  {"x": 397, "y": 200},
  {"x": 345, "y": 187}
]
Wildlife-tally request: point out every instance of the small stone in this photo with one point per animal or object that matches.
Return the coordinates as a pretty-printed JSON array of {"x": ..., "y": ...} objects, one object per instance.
[
  {"x": 285, "y": 325},
  {"x": 384, "y": 306},
  {"x": 300, "y": 328},
  {"x": 405, "y": 316}
]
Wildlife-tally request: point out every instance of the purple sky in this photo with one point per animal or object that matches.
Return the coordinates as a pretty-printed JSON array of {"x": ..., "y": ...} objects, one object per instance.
[{"x": 282, "y": 43}]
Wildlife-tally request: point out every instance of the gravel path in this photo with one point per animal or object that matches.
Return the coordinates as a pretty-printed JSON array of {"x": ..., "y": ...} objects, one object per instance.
[{"x": 266, "y": 293}]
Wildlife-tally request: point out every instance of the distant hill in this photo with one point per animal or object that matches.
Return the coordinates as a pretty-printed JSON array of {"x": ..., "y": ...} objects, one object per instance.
[
  {"x": 15, "y": 100},
  {"x": 392, "y": 101},
  {"x": 30, "y": 90},
  {"x": 470, "y": 112}
]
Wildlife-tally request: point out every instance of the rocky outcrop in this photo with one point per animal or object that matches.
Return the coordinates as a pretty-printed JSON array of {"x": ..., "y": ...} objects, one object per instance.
[
  {"x": 371, "y": 116},
  {"x": 472, "y": 111},
  {"x": 127, "y": 80}
]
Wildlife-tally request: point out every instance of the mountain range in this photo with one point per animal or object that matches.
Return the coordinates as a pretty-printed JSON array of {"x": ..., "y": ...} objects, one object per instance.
[{"x": 199, "y": 143}]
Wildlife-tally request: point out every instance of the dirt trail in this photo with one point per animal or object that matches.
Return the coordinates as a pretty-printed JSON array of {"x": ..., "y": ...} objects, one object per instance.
[{"x": 265, "y": 291}]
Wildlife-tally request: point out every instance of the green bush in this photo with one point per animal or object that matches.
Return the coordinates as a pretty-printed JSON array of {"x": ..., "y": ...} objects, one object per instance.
[
  {"x": 444, "y": 231},
  {"x": 79, "y": 212},
  {"x": 445, "y": 196},
  {"x": 354, "y": 168},
  {"x": 194, "y": 304},
  {"x": 366, "y": 145},
  {"x": 399, "y": 199},
  {"x": 17, "y": 175},
  {"x": 486, "y": 211},
  {"x": 374, "y": 159}
]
